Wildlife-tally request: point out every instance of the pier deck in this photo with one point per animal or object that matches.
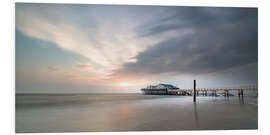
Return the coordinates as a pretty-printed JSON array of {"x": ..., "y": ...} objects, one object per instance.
[{"x": 209, "y": 91}]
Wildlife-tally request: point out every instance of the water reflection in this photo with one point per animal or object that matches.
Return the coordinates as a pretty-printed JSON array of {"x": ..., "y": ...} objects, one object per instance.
[
  {"x": 241, "y": 100},
  {"x": 226, "y": 99},
  {"x": 126, "y": 114},
  {"x": 196, "y": 115},
  {"x": 231, "y": 99}
]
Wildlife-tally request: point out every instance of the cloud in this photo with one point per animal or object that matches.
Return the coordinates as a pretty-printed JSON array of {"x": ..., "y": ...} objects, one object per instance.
[
  {"x": 196, "y": 18},
  {"x": 84, "y": 66},
  {"x": 133, "y": 42},
  {"x": 106, "y": 39},
  {"x": 221, "y": 39},
  {"x": 53, "y": 68}
]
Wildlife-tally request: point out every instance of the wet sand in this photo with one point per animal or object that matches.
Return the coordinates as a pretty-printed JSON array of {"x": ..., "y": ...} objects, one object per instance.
[{"x": 132, "y": 112}]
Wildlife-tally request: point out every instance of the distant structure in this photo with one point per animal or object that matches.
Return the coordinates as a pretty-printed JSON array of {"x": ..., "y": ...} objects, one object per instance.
[
  {"x": 168, "y": 89},
  {"x": 161, "y": 89}
]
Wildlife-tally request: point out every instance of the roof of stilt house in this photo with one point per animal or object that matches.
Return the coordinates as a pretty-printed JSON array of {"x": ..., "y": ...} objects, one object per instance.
[{"x": 160, "y": 87}]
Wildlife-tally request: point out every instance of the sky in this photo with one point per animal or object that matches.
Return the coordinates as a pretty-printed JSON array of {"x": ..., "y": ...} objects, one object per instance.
[{"x": 83, "y": 48}]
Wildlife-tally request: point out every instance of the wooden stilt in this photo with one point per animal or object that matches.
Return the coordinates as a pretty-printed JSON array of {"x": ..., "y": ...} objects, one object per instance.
[
  {"x": 194, "y": 95},
  {"x": 242, "y": 93}
]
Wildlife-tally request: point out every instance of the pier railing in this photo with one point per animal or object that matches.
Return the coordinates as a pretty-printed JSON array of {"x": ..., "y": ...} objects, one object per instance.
[{"x": 225, "y": 91}]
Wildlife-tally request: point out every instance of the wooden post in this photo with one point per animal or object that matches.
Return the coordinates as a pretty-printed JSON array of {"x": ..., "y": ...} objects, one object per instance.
[
  {"x": 242, "y": 93},
  {"x": 194, "y": 95}
]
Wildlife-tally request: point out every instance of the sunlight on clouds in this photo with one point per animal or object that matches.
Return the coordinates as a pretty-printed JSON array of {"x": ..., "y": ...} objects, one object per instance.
[
  {"x": 128, "y": 47},
  {"x": 108, "y": 44},
  {"x": 85, "y": 66},
  {"x": 126, "y": 84},
  {"x": 107, "y": 52}
]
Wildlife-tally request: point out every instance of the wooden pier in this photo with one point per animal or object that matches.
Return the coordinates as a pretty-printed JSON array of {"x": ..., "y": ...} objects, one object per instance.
[
  {"x": 214, "y": 91},
  {"x": 167, "y": 89},
  {"x": 227, "y": 91}
]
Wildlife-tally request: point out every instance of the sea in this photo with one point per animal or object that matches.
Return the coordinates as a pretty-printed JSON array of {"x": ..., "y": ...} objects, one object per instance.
[{"x": 46, "y": 113}]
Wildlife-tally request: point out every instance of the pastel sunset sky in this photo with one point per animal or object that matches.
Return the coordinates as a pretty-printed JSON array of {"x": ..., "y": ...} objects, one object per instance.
[{"x": 81, "y": 48}]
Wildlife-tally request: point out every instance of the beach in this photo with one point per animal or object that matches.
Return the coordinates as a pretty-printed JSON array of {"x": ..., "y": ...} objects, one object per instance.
[{"x": 40, "y": 113}]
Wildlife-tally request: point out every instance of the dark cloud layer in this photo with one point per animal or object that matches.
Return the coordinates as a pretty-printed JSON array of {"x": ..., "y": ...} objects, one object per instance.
[
  {"x": 222, "y": 38},
  {"x": 197, "y": 18}
]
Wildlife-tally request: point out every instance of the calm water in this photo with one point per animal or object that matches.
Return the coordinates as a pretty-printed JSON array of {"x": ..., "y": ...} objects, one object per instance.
[{"x": 132, "y": 112}]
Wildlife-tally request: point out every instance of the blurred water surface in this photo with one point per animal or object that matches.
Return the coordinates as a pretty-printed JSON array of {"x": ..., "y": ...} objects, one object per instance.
[{"x": 132, "y": 112}]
